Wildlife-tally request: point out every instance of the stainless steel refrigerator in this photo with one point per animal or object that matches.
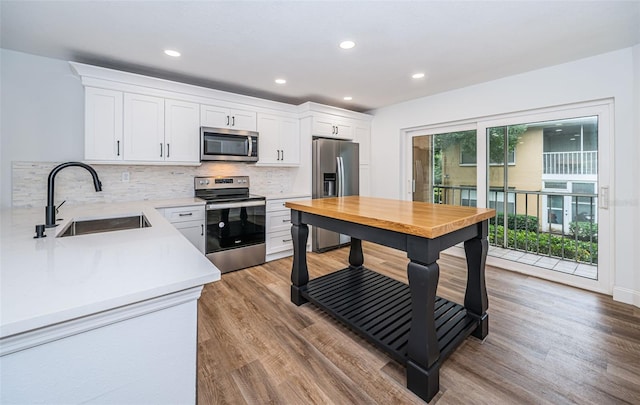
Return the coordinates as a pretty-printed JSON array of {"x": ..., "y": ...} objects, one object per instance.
[{"x": 336, "y": 167}]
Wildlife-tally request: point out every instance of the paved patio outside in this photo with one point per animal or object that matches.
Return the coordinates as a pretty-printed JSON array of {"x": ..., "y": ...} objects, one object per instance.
[{"x": 552, "y": 263}]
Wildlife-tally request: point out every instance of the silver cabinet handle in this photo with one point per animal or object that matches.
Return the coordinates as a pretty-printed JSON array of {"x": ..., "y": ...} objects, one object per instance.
[
  {"x": 186, "y": 214},
  {"x": 287, "y": 240},
  {"x": 227, "y": 120},
  {"x": 282, "y": 154},
  {"x": 160, "y": 149},
  {"x": 167, "y": 150},
  {"x": 201, "y": 230},
  {"x": 233, "y": 121},
  {"x": 286, "y": 220},
  {"x": 118, "y": 153}
]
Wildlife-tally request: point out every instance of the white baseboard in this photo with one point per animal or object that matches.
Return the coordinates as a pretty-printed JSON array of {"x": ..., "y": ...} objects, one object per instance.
[{"x": 626, "y": 295}]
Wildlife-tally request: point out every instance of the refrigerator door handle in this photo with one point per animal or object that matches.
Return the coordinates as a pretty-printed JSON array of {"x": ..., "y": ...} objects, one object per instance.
[
  {"x": 338, "y": 176},
  {"x": 342, "y": 185}
]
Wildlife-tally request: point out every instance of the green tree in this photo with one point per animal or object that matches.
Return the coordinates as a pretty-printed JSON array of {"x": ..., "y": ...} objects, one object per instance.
[{"x": 467, "y": 142}]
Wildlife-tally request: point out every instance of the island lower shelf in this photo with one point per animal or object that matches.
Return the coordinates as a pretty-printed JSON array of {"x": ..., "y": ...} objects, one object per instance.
[{"x": 379, "y": 308}]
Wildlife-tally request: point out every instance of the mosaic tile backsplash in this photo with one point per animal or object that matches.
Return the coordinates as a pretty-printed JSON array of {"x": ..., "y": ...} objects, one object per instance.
[{"x": 74, "y": 184}]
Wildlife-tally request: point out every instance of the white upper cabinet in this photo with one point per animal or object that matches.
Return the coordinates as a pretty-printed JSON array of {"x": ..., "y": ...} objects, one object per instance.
[
  {"x": 332, "y": 127},
  {"x": 103, "y": 124},
  {"x": 144, "y": 128},
  {"x": 279, "y": 140},
  {"x": 129, "y": 127},
  {"x": 224, "y": 117},
  {"x": 181, "y": 131}
]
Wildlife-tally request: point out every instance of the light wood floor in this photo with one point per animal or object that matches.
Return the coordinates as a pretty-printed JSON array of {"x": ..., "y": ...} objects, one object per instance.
[{"x": 547, "y": 343}]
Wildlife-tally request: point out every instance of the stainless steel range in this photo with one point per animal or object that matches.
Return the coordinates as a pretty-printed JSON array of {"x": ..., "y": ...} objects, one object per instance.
[{"x": 236, "y": 219}]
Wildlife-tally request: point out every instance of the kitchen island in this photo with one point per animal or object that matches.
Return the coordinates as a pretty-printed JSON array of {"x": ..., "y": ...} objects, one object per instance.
[
  {"x": 108, "y": 317},
  {"x": 412, "y": 324}
]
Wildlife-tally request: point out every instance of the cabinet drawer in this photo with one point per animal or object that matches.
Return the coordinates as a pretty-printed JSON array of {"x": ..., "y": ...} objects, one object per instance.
[
  {"x": 181, "y": 214},
  {"x": 279, "y": 241},
  {"x": 276, "y": 205},
  {"x": 279, "y": 221}
]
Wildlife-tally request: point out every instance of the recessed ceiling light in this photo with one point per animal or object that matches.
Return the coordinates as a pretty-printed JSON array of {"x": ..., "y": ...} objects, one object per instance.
[
  {"x": 171, "y": 52},
  {"x": 572, "y": 139},
  {"x": 280, "y": 81},
  {"x": 417, "y": 75},
  {"x": 347, "y": 98},
  {"x": 558, "y": 130},
  {"x": 347, "y": 44}
]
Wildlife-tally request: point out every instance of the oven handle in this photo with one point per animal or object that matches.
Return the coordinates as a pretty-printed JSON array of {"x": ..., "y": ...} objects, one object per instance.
[{"x": 220, "y": 206}]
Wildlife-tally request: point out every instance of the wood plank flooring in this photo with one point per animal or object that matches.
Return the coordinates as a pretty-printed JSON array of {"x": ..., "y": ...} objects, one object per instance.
[{"x": 547, "y": 344}]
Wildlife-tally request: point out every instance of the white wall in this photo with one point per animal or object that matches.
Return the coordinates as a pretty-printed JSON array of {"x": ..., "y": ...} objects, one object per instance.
[
  {"x": 603, "y": 76},
  {"x": 42, "y": 117}
]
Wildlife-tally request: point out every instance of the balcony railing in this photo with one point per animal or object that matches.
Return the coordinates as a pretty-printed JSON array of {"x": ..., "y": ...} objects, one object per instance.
[
  {"x": 570, "y": 162},
  {"x": 559, "y": 225}
]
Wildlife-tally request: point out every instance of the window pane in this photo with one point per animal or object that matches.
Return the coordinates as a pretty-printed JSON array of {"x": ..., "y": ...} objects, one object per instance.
[{"x": 440, "y": 170}]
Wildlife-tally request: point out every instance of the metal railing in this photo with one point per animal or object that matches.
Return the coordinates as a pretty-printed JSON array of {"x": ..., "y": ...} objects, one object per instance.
[
  {"x": 559, "y": 225},
  {"x": 570, "y": 162}
]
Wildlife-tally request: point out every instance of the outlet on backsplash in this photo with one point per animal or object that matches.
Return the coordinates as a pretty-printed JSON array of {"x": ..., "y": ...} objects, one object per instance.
[{"x": 125, "y": 177}]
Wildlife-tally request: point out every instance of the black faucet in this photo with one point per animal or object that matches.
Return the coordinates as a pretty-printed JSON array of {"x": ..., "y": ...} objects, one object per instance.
[{"x": 50, "y": 210}]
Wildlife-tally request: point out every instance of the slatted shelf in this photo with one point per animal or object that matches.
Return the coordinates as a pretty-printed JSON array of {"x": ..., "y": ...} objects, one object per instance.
[{"x": 379, "y": 308}]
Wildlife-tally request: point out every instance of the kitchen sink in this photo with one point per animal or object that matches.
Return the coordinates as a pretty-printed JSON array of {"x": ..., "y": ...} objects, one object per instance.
[{"x": 87, "y": 226}]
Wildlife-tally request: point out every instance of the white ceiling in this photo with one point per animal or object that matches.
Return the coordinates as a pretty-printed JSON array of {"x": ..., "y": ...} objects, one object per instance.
[{"x": 242, "y": 46}]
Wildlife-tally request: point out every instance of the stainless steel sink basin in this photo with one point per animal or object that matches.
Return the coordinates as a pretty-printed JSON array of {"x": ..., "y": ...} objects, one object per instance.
[{"x": 84, "y": 227}]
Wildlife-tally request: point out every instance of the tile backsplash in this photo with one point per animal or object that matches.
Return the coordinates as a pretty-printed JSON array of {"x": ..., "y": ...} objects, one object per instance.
[{"x": 74, "y": 184}]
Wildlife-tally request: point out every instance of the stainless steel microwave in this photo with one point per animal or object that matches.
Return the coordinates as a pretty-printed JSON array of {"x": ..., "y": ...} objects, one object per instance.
[{"x": 224, "y": 144}]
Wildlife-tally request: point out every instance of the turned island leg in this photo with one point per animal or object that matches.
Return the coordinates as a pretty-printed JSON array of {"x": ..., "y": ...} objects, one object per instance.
[
  {"x": 423, "y": 353},
  {"x": 299, "y": 270},
  {"x": 475, "y": 298},
  {"x": 356, "y": 258}
]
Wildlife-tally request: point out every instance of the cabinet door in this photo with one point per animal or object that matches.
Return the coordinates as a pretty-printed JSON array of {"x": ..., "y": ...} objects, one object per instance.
[
  {"x": 223, "y": 117},
  {"x": 269, "y": 145},
  {"x": 215, "y": 117},
  {"x": 143, "y": 128},
  {"x": 103, "y": 125},
  {"x": 193, "y": 231},
  {"x": 289, "y": 142},
  {"x": 182, "y": 131},
  {"x": 242, "y": 119},
  {"x": 323, "y": 126},
  {"x": 344, "y": 130}
]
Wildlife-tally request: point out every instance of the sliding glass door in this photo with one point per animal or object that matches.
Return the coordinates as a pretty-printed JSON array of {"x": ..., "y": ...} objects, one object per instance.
[{"x": 544, "y": 172}]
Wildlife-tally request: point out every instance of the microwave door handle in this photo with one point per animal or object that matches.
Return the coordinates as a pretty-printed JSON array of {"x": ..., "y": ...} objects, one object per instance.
[{"x": 250, "y": 145}]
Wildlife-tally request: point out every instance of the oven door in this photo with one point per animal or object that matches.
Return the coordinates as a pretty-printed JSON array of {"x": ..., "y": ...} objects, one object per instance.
[{"x": 234, "y": 225}]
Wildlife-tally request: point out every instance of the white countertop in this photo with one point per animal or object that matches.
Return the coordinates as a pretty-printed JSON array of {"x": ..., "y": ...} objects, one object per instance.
[{"x": 50, "y": 280}]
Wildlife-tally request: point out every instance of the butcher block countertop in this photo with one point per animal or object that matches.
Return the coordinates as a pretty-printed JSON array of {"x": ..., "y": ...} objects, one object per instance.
[{"x": 409, "y": 217}]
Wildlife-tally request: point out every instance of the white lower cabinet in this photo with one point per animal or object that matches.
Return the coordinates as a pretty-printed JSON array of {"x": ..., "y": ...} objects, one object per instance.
[
  {"x": 190, "y": 221},
  {"x": 278, "y": 235}
]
